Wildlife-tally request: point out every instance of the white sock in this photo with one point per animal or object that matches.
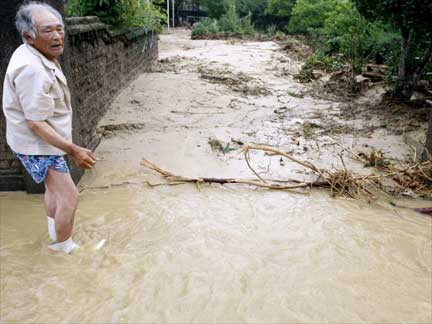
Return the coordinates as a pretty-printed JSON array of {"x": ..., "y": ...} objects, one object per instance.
[
  {"x": 66, "y": 246},
  {"x": 51, "y": 229}
]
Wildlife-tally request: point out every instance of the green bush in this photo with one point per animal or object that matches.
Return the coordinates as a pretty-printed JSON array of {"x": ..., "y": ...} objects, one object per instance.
[
  {"x": 230, "y": 21},
  {"x": 307, "y": 16},
  {"x": 271, "y": 30},
  {"x": 145, "y": 15},
  {"x": 247, "y": 26},
  {"x": 119, "y": 13},
  {"x": 110, "y": 12},
  {"x": 346, "y": 31},
  {"x": 73, "y": 8},
  {"x": 207, "y": 26},
  {"x": 336, "y": 27},
  {"x": 280, "y": 8},
  {"x": 322, "y": 61},
  {"x": 215, "y": 9}
]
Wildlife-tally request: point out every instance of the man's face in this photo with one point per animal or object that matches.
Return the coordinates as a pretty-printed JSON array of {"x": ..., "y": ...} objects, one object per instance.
[{"x": 50, "y": 35}]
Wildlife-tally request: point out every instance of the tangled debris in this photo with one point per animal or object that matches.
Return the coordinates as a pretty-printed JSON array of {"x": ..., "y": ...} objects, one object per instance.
[
  {"x": 224, "y": 147},
  {"x": 295, "y": 47},
  {"x": 416, "y": 178},
  {"x": 238, "y": 82},
  {"x": 111, "y": 129},
  {"x": 413, "y": 179}
]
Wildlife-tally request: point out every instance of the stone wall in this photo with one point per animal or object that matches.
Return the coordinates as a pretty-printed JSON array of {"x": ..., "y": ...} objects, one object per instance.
[{"x": 98, "y": 64}]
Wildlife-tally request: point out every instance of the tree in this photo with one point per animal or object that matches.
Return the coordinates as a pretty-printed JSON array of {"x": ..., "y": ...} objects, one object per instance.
[
  {"x": 214, "y": 8},
  {"x": 280, "y": 8},
  {"x": 255, "y": 7},
  {"x": 348, "y": 32},
  {"x": 413, "y": 18},
  {"x": 308, "y": 16}
]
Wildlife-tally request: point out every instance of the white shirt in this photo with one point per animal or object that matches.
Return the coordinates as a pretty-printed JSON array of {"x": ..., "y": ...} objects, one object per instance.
[{"x": 35, "y": 89}]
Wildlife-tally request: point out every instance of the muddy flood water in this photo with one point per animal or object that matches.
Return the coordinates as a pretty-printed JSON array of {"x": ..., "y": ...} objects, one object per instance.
[{"x": 220, "y": 254}]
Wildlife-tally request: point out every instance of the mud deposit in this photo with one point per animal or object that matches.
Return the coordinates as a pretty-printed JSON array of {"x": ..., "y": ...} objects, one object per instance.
[{"x": 221, "y": 254}]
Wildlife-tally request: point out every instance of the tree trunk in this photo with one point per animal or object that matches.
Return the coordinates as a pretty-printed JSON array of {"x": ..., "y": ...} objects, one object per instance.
[
  {"x": 427, "y": 153},
  {"x": 402, "y": 80},
  {"x": 420, "y": 68}
]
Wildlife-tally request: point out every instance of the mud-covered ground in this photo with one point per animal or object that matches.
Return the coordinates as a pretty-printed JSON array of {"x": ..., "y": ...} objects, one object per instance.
[{"x": 206, "y": 98}]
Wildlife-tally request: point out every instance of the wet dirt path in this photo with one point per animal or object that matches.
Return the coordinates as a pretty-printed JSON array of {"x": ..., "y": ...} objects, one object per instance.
[{"x": 218, "y": 253}]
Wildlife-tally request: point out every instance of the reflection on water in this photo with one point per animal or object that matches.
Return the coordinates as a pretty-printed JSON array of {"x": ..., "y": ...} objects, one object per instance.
[{"x": 177, "y": 254}]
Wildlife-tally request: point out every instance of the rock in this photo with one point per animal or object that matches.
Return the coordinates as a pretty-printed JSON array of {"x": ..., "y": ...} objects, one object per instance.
[
  {"x": 362, "y": 82},
  {"x": 376, "y": 68},
  {"x": 417, "y": 96},
  {"x": 374, "y": 76},
  {"x": 375, "y": 72},
  {"x": 318, "y": 73},
  {"x": 415, "y": 140},
  {"x": 361, "y": 79}
]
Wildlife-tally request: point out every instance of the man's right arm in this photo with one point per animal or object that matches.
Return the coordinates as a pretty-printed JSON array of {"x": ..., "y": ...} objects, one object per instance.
[
  {"x": 33, "y": 85},
  {"x": 83, "y": 157}
]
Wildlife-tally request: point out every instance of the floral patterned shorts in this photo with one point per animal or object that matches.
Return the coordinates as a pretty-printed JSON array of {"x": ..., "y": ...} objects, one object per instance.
[{"x": 37, "y": 165}]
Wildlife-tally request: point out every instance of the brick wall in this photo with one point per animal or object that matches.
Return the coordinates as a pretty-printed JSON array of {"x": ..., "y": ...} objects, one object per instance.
[{"x": 98, "y": 64}]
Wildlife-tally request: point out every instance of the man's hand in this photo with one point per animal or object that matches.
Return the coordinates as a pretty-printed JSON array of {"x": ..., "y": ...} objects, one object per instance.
[{"x": 84, "y": 158}]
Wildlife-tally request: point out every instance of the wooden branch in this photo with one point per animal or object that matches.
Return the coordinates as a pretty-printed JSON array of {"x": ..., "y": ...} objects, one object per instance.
[{"x": 175, "y": 179}]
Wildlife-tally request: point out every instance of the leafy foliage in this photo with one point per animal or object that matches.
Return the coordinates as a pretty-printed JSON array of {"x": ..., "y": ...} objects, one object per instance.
[
  {"x": 413, "y": 18},
  {"x": 229, "y": 23},
  {"x": 146, "y": 15},
  {"x": 309, "y": 15},
  {"x": 348, "y": 32},
  {"x": 207, "y": 26},
  {"x": 280, "y": 8},
  {"x": 232, "y": 23},
  {"x": 119, "y": 13},
  {"x": 215, "y": 9},
  {"x": 253, "y": 7}
]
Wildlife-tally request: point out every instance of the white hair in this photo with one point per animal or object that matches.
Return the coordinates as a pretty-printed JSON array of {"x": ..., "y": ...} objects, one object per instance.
[{"x": 25, "y": 22}]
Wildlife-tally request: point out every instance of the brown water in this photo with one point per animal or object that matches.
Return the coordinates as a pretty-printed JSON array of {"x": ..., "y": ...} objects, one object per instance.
[
  {"x": 215, "y": 254},
  {"x": 177, "y": 254}
]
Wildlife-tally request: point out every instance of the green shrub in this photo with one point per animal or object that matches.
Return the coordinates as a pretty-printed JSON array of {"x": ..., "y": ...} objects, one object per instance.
[
  {"x": 307, "y": 16},
  {"x": 207, "y": 26},
  {"x": 346, "y": 31},
  {"x": 145, "y": 15},
  {"x": 320, "y": 60},
  {"x": 119, "y": 13},
  {"x": 230, "y": 21},
  {"x": 271, "y": 30},
  {"x": 247, "y": 26},
  {"x": 110, "y": 12},
  {"x": 280, "y": 8},
  {"x": 215, "y": 9},
  {"x": 73, "y": 8}
]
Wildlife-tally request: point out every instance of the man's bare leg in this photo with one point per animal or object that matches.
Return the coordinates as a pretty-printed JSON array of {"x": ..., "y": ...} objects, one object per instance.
[
  {"x": 50, "y": 206},
  {"x": 62, "y": 190}
]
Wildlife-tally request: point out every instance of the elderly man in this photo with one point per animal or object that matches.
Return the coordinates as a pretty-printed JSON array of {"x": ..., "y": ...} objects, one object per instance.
[{"x": 36, "y": 103}]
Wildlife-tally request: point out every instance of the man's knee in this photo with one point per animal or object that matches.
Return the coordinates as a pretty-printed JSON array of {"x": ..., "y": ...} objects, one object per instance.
[
  {"x": 73, "y": 195},
  {"x": 69, "y": 202}
]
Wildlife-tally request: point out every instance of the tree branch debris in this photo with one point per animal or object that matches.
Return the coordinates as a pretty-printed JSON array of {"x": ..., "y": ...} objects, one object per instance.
[{"x": 415, "y": 177}]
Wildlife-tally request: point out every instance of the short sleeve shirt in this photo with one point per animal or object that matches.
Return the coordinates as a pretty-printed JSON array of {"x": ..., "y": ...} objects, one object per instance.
[{"x": 35, "y": 89}]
